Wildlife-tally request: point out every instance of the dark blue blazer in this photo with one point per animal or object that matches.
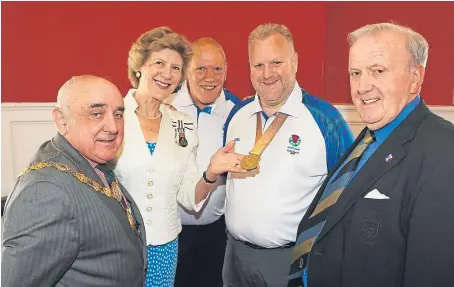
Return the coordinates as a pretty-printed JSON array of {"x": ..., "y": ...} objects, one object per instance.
[{"x": 406, "y": 240}]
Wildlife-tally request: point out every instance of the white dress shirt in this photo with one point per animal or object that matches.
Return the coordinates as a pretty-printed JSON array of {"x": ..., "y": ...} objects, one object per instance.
[
  {"x": 267, "y": 208},
  {"x": 157, "y": 182},
  {"x": 210, "y": 125}
]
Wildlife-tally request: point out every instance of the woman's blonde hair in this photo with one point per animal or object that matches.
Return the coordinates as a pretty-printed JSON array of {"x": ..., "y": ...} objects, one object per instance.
[{"x": 156, "y": 40}]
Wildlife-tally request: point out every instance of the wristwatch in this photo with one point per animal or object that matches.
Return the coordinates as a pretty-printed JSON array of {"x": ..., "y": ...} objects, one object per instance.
[{"x": 206, "y": 179}]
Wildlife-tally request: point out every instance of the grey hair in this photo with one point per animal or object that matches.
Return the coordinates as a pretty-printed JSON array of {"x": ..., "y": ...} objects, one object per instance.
[
  {"x": 63, "y": 98},
  {"x": 266, "y": 30},
  {"x": 417, "y": 45},
  {"x": 67, "y": 94}
]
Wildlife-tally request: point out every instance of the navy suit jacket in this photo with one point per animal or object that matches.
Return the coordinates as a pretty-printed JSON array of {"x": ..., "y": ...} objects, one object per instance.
[{"x": 406, "y": 240}]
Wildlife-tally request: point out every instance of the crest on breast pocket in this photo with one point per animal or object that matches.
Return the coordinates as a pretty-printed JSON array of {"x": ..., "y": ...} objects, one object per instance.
[
  {"x": 294, "y": 142},
  {"x": 370, "y": 229}
]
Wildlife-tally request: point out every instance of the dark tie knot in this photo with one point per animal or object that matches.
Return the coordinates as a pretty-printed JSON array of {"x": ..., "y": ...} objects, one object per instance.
[
  {"x": 108, "y": 173},
  {"x": 369, "y": 137}
]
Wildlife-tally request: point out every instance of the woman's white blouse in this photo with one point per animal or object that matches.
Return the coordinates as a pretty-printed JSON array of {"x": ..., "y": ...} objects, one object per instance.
[{"x": 158, "y": 182}]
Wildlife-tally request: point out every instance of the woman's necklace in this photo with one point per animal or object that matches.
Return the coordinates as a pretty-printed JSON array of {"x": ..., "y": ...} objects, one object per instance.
[{"x": 145, "y": 116}]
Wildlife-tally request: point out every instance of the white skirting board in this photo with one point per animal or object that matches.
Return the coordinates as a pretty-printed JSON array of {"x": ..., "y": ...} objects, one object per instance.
[{"x": 25, "y": 126}]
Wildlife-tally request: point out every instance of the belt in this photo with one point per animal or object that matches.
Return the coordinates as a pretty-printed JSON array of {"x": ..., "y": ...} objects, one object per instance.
[{"x": 252, "y": 245}]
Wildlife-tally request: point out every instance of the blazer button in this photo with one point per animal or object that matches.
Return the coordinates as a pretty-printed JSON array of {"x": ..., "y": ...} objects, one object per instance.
[
  {"x": 151, "y": 170},
  {"x": 149, "y": 209},
  {"x": 149, "y": 222},
  {"x": 150, "y": 196},
  {"x": 150, "y": 183}
]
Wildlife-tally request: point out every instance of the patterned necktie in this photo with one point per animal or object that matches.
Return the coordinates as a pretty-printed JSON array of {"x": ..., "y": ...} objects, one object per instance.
[
  {"x": 118, "y": 194},
  {"x": 333, "y": 190},
  {"x": 108, "y": 173}
]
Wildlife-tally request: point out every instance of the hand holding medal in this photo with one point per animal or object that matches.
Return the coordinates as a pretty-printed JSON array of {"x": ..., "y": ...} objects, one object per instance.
[
  {"x": 225, "y": 160},
  {"x": 252, "y": 160}
]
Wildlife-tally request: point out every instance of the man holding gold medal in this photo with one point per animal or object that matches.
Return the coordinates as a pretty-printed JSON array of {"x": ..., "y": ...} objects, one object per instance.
[{"x": 291, "y": 139}]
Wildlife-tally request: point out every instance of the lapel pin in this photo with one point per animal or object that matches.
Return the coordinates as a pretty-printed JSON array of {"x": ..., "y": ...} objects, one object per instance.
[{"x": 389, "y": 158}]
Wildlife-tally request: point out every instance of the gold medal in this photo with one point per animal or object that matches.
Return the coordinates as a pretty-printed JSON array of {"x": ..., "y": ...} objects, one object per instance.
[{"x": 250, "y": 162}]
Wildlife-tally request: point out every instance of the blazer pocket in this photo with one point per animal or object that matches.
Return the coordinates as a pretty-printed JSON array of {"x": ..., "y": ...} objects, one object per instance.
[{"x": 377, "y": 204}]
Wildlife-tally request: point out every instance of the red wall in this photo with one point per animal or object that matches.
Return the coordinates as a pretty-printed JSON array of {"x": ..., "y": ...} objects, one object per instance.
[
  {"x": 434, "y": 20},
  {"x": 44, "y": 43}
]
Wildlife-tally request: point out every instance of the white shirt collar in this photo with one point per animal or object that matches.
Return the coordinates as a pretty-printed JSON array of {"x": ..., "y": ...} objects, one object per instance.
[
  {"x": 184, "y": 99},
  {"x": 290, "y": 107}
]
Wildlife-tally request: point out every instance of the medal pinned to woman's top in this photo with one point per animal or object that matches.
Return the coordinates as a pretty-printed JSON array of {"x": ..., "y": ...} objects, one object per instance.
[
  {"x": 180, "y": 135},
  {"x": 182, "y": 141}
]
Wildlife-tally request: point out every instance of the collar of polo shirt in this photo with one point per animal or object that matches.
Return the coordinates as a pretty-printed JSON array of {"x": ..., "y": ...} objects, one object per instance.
[
  {"x": 187, "y": 100},
  {"x": 290, "y": 107}
]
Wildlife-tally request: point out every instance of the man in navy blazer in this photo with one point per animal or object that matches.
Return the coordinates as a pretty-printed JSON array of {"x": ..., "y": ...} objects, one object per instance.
[{"x": 389, "y": 220}]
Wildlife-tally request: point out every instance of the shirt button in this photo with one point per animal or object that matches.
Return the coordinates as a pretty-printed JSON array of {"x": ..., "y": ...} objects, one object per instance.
[
  {"x": 149, "y": 222},
  {"x": 150, "y": 196},
  {"x": 150, "y": 183},
  {"x": 149, "y": 209}
]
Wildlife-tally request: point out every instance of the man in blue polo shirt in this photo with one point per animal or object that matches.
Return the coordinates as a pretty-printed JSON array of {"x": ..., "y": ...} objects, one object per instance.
[
  {"x": 303, "y": 138},
  {"x": 203, "y": 238}
]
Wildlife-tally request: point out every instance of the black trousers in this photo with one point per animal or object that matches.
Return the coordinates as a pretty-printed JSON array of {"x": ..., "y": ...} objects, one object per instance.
[{"x": 201, "y": 250}]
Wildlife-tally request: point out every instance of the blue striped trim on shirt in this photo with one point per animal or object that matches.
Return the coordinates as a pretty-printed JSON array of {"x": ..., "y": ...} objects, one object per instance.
[
  {"x": 335, "y": 130},
  {"x": 229, "y": 96}
]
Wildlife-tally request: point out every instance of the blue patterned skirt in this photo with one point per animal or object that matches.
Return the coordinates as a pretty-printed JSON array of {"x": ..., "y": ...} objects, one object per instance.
[{"x": 162, "y": 264}]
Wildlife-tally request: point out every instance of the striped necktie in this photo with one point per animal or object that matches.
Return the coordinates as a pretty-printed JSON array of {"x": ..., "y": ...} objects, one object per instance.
[{"x": 333, "y": 190}]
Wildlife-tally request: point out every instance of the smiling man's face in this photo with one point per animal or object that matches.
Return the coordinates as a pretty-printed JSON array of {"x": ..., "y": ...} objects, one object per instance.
[
  {"x": 273, "y": 64},
  {"x": 206, "y": 73},
  {"x": 93, "y": 121},
  {"x": 381, "y": 81}
]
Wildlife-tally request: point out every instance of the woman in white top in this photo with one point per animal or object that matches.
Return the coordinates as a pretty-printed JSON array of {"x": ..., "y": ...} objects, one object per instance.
[{"x": 156, "y": 162}]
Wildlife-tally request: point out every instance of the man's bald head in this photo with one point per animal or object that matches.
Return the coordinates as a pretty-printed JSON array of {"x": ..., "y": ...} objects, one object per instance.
[
  {"x": 207, "y": 72},
  {"x": 77, "y": 86},
  {"x": 89, "y": 115},
  {"x": 206, "y": 43}
]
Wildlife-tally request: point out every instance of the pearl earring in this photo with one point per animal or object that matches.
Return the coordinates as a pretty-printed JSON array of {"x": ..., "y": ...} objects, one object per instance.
[{"x": 138, "y": 74}]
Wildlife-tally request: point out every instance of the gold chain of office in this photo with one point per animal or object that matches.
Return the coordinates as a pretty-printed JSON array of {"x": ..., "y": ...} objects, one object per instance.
[{"x": 113, "y": 192}]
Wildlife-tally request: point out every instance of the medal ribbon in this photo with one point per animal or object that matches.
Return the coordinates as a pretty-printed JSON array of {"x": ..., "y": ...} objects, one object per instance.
[{"x": 262, "y": 141}]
